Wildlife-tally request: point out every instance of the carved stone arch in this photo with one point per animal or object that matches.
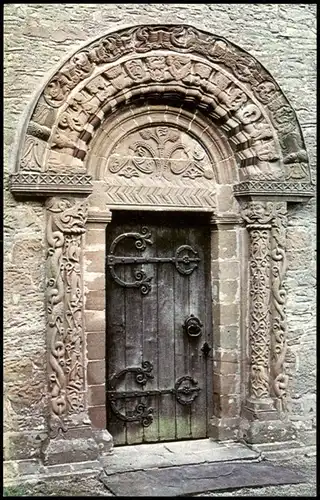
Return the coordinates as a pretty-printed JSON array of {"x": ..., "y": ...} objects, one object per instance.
[
  {"x": 211, "y": 95},
  {"x": 206, "y": 70}
]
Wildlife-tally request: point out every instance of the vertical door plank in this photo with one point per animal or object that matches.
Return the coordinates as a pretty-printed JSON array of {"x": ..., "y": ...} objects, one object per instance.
[
  {"x": 150, "y": 337},
  {"x": 115, "y": 340},
  {"x": 181, "y": 312},
  {"x": 197, "y": 239},
  {"x": 134, "y": 333},
  {"x": 166, "y": 335}
]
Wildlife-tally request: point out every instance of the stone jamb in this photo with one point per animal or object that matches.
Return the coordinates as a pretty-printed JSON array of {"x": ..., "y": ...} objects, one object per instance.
[{"x": 226, "y": 326}]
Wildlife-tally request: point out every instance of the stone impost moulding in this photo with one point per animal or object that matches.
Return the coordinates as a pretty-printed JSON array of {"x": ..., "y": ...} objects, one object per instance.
[{"x": 214, "y": 90}]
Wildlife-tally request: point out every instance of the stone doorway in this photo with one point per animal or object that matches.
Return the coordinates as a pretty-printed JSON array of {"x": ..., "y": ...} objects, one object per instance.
[{"x": 172, "y": 119}]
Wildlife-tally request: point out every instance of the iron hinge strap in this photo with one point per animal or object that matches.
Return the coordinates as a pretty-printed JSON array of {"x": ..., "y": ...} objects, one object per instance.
[{"x": 126, "y": 394}]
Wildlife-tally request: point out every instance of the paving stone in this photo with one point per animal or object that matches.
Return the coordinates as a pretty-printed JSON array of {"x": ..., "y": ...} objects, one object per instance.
[{"x": 186, "y": 480}]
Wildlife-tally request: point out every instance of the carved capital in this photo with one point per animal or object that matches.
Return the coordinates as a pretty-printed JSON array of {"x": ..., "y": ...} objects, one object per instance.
[
  {"x": 65, "y": 227},
  {"x": 257, "y": 213}
]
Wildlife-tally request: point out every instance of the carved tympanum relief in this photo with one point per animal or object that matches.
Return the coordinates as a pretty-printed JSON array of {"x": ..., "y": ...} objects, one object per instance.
[
  {"x": 65, "y": 226},
  {"x": 159, "y": 151}
]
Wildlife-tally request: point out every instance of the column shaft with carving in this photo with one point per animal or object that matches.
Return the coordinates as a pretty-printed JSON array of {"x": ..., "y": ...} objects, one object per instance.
[
  {"x": 279, "y": 331},
  {"x": 65, "y": 227},
  {"x": 266, "y": 404},
  {"x": 259, "y": 311},
  {"x": 258, "y": 217}
]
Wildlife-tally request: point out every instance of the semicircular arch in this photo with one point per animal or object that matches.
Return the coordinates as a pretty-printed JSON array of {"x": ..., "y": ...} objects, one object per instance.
[{"x": 179, "y": 65}]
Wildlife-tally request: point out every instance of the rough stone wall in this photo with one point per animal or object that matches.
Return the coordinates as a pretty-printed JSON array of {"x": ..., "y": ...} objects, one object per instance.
[{"x": 37, "y": 37}]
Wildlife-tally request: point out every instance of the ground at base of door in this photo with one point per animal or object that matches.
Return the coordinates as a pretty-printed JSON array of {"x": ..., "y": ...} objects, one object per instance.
[{"x": 92, "y": 486}]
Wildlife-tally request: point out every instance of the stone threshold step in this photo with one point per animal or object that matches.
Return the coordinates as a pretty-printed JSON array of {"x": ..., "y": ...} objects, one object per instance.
[{"x": 175, "y": 453}]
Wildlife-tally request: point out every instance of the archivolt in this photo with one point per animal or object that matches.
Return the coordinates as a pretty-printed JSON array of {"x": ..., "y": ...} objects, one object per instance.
[{"x": 178, "y": 65}]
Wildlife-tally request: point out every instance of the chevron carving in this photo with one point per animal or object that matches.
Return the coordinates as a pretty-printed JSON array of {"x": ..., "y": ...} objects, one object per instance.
[{"x": 160, "y": 196}]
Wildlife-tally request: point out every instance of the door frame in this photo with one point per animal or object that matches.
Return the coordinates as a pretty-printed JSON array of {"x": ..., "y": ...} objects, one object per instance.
[{"x": 227, "y": 237}]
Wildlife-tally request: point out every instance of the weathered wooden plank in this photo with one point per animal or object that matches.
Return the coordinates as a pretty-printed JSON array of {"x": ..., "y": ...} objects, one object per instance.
[
  {"x": 181, "y": 312},
  {"x": 150, "y": 338},
  {"x": 166, "y": 335},
  {"x": 197, "y": 363},
  {"x": 115, "y": 340},
  {"x": 134, "y": 333}
]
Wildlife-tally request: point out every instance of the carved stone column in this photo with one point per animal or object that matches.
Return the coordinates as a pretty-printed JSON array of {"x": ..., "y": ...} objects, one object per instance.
[
  {"x": 279, "y": 331},
  {"x": 258, "y": 217},
  {"x": 71, "y": 435},
  {"x": 267, "y": 329}
]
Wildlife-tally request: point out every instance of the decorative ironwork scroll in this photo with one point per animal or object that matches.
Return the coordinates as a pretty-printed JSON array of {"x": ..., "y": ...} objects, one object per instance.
[
  {"x": 185, "y": 390},
  {"x": 185, "y": 259},
  {"x": 65, "y": 226}
]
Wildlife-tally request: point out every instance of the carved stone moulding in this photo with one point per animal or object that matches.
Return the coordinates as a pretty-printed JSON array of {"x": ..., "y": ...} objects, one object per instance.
[
  {"x": 176, "y": 63},
  {"x": 42, "y": 184},
  {"x": 289, "y": 191}
]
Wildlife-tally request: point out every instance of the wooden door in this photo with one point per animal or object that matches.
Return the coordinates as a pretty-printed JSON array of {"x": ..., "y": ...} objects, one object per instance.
[{"x": 158, "y": 338}]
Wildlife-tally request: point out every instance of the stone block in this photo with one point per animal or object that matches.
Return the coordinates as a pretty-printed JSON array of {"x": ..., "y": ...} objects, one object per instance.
[
  {"x": 224, "y": 243},
  {"x": 95, "y": 299},
  {"x": 226, "y": 384},
  {"x": 227, "y": 291},
  {"x": 26, "y": 467},
  {"x": 96, "y": 345},
  {"x": 226, "y": 200},
  {"x": 227, "y": 337},
  {"x": 226, "y": 362},
  {"x": 95, "y": 321},
  {"x": 226, "y": 405},
  {"x": 96, "y": 372},
  {"x": 226, "y": 314},
  {"x": 225, "y": 270},
  {"x": 98, "y": 416},
  {"x": 62, "y": 452},
  {"x": 24, "y": 445},
  {"x": 221, "y": 429},
  {"x": 96, "y": 283},
  {"x": 104, "y": 440},
  {"x": 94, "y": 261},
  {"x": 95, "y": 236},
  {"x": 96, "y": 395}
]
